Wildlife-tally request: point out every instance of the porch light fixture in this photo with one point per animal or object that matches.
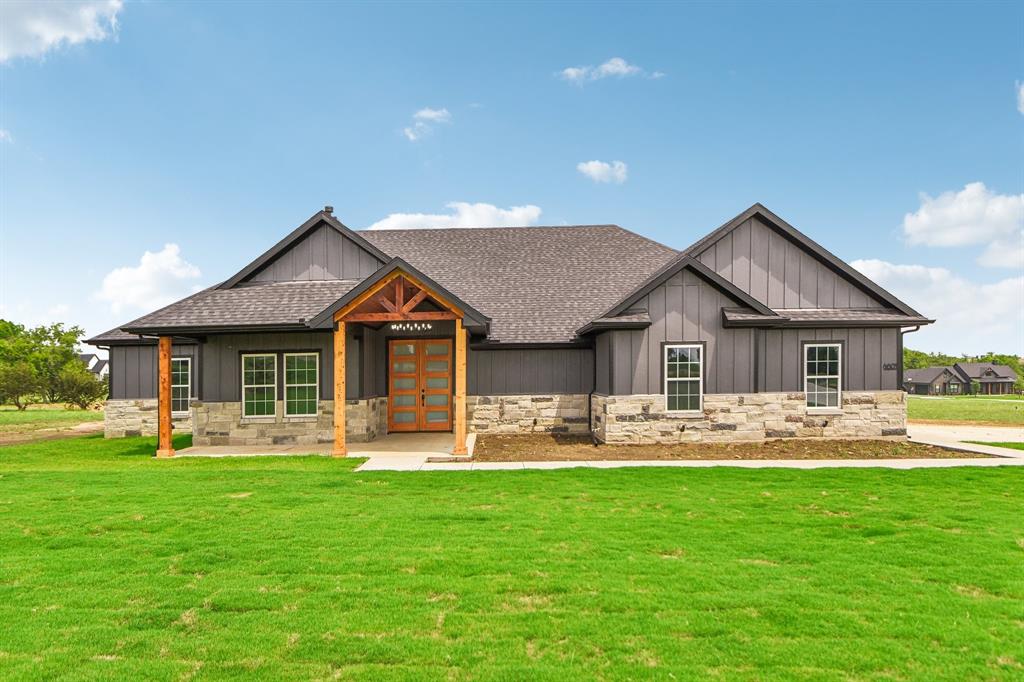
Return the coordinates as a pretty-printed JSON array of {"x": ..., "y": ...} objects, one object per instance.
[{"x": 411, "y": 326}]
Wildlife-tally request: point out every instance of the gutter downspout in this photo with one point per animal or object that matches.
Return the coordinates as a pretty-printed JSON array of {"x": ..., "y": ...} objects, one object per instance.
[{"x": 900, "y": 382}]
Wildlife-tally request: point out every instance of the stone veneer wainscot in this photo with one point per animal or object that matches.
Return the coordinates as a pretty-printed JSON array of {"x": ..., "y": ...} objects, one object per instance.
[
  {"x": 527, "y": 413},
  {"x": 642, "y": 419},
  {"x": 137, "y": 418},
  {"x": 221, "y": 423}
]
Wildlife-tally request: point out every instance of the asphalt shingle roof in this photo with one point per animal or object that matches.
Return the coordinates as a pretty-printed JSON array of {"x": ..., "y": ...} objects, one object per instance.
[
  {"x": 925, "y": 375},
  {"x": 537, "y": 284}
]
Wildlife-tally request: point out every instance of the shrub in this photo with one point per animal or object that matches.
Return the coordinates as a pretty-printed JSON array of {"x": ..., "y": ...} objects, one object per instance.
[{"x": 77, "y": 386}]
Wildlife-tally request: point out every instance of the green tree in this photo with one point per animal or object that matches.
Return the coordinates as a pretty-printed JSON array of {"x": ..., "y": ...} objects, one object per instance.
[
  {"x": 19, "y": 383},
  {"x": 79, "y": 387},
  {"x": 54, "y": 347}
]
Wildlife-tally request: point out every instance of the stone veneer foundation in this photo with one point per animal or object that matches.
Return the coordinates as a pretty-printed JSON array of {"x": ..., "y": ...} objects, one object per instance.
[
  {"x": 137, "y": 418},
  {"x": 221, "y": 423},
  {"x": 527, "y": 413},
  {"x": 642, "y": 419}
]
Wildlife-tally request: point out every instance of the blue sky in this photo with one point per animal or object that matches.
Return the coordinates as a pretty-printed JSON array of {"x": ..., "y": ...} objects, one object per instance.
[{"x": 890, "y": 134}]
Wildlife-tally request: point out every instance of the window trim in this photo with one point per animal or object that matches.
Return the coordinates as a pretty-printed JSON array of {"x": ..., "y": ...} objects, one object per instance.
[
  {"x": 702, "y": 347},
  {"x": 284, "y": 368},
  {"x": 243, "y": 385},
  {"x": 189, "y": 396},
  {"x": 839, "y": 377}
]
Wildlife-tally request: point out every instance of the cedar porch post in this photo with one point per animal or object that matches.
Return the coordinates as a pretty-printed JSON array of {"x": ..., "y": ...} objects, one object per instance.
[
  {"x": 164, "y": 448},
  {"x": 460, "y": 389},
  {"x": 339, "y": 449}
]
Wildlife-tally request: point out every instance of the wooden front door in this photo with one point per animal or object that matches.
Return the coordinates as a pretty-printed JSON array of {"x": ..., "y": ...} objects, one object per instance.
[{"x": 420, "y": 385}]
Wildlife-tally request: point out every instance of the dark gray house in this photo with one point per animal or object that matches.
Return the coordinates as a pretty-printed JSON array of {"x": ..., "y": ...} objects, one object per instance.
[
  {"x": 334, "y": 335},
  {"x": 981, "y": 378}
]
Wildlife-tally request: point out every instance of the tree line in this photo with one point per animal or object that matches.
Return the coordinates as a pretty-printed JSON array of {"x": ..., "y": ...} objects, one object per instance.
[{"x": 41, "y": 364}]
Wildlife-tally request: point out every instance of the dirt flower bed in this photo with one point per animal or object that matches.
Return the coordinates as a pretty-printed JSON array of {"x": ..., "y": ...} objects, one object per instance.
[{"x": 561, "y": 448}]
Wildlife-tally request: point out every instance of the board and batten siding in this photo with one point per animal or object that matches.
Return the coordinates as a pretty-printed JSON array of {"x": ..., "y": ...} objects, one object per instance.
[
  {"x": 778, "y": 272},
  {"x": 133, "y": 369},
  {"x": 532, "y": 371},
  {"x": 324, "y": 253},
  {"x": 222, "y": 362},
  {"x": 866, "y": 352},
  {"x": 684, "y": 309}
]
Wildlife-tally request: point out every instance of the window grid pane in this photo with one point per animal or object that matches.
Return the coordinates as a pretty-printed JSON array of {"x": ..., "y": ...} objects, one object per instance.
[
  {"x": 822, "y": 372},
  {"x": 181, "y": 384},
  {"x": 259, "y": 384},
  {"x": 300, "y": 384},
  {"x": 683, "y": 368}
]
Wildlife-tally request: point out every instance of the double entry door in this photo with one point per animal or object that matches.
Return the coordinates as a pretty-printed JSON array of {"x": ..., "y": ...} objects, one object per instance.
[{"x": 420, "y": 385}]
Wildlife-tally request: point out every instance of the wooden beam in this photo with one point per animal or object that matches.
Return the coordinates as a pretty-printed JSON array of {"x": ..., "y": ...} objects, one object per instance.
[
  {"x": 398, "y": 317},
  {"x": 164, "y": 447},
  {"x": 399, "y": 293},
  {"x": 460, "y": 389},
  {"x": 367, "y": 295},
  {"x": 385, "y": 303},
  {"x": 414, "y": 301},
  {"x": 339, "y": 449}
]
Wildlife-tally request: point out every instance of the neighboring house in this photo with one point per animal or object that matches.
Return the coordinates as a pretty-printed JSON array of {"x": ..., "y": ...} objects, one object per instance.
[
  {"x": 334, "y": 335},
  {"x": 982, "y": 378},
  {"x": 933, "y": 381},
  {"x": 985, "y": 378},
  {"x": 95, "y": 364}
]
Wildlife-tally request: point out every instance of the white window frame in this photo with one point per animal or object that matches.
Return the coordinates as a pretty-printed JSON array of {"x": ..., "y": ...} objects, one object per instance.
[
  {"x": 838, "y": 377},
  {"x": 700, "y": 378},
  {"x": 244, "y": 386},
  {"x": 955, "y": 384},
  {"x": 284, "y": 368},
  {"x": 188, "y": 393}
]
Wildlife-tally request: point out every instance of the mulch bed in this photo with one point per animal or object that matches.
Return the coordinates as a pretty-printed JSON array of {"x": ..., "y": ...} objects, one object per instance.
[{"x": 563, "y": 448}]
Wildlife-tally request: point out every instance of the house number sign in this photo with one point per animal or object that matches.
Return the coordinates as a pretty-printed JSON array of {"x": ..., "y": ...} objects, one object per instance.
[{"x": 889, "y": 366}]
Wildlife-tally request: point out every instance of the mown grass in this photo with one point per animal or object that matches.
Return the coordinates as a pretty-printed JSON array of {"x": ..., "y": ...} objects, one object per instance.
[
  {"x": 1014, "y": 446},
  {"x": 984, "y": 410},
  {"x": 38, "y": 417},
  {"x": 118, "y": 566}
]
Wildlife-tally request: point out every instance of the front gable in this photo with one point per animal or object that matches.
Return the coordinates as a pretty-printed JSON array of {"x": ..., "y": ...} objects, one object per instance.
[
  {"x": 784, "y": 269},
  {"x": 322, "y": 248}
]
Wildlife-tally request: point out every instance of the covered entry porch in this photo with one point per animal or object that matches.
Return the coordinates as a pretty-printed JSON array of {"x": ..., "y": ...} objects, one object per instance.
[{"x": 364, "y": 391}]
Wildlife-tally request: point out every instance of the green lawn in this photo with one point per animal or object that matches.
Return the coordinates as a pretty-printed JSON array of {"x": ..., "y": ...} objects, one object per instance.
[
  {"x": 43, "y": 417},
  {"x": 1014, "y": 446},
  {"x": 993, "y": 410},
  {"x": 118, "y": 566}
]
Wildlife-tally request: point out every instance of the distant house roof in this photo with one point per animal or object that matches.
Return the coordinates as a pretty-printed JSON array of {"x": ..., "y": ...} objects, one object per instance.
[
  {"x": 88, "y": 358},
  {"x": 99, "y": 367},
  {"x": 985, "y": 372},
  {"x": 925, "y": 375}
]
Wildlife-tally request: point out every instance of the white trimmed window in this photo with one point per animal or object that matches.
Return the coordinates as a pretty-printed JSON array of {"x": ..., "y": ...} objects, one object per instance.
[
  {"x": 954, "y": 387},
  {"x": 684, "y": 378},
  {"x": 823, "y": 376},
  {"x": 301, "y": 384},
  {"x": 259, "y": 385},
  {"x": 181, "y": 385}
]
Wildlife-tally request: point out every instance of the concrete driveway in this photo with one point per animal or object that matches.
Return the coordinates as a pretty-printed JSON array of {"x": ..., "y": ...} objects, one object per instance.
[{"x": 955, "y": 436}]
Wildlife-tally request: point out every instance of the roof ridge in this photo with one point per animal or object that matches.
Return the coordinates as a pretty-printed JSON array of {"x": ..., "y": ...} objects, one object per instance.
[{"x": 499, "y": 227}]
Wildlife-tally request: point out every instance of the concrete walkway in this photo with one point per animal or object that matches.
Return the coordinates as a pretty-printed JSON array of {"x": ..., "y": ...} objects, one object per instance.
[{"x": 955, "y": 437}]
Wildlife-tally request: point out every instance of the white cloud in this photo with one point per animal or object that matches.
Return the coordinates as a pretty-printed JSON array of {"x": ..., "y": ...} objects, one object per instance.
[
  {"x": 973, "y": 216},
  {"x": 423, "y": 121},
  {"x": 5, "y": 136},
  {"x": 29, "y": 28},
  {"x": 970, "y": 317},
  {"x": 1020, "y": 96},
  {"x": 602, "y": 171},
  {"x": 616, "y": 67},
  {"x": 58, "y": 311},
  {"x": 436, "y": 115},
  {"x": 464, "y": 214},
  {"x": 159, "y": 278}
]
